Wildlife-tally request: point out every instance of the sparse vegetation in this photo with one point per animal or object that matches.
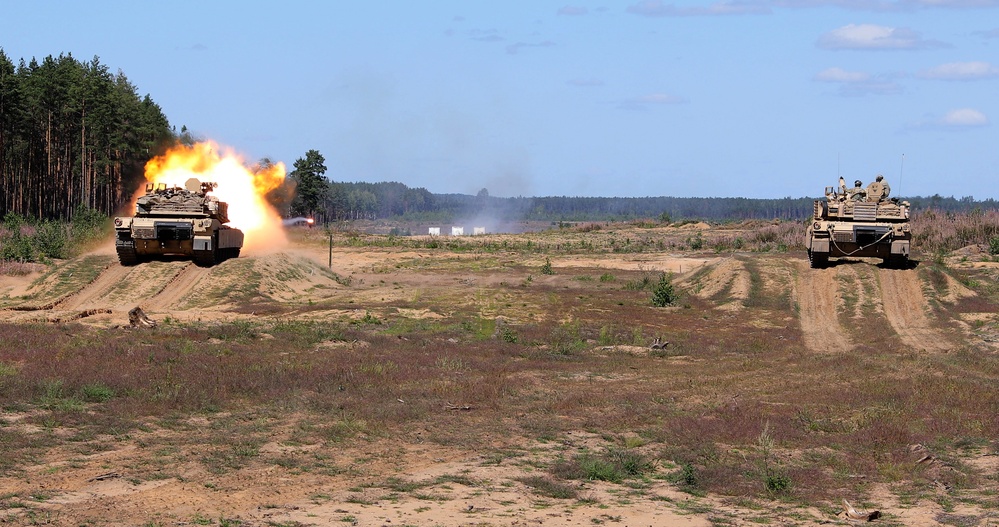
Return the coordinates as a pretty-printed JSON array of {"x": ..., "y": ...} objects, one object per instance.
[
  {"x": 564, "y": 389},
  {"x": 23, "y": 240}
]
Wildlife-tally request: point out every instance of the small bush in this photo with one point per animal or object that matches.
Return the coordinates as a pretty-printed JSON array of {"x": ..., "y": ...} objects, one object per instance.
[
  {"x": 639, "y": 285},
  {"x": 664, "y": 294},
  {"x": 566, "y": 340},
  {"x": 696, "y": 242},
  {"x": 686, "y": 476},
  {"x": 777, "y": 483},
  {"x": 547, "y": 267},
  {"x": 97, "y": 393}
]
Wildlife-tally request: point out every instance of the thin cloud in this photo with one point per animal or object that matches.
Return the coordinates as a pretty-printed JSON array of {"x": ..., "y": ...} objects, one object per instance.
[
  {"x": 957, "y": 119},
  {"x": 586, "y": 83},
  {"x": 485, "y": 35},
  {"x": 572, "y": 10},
  {"x": 992, "y": 33},
  {"x": 874, "y": 37},
  {"x": 644, "y": 102},
  {"x": 513, "y": 49},
  {"x": 961, "y": 71},
  {"x": 874, "y": 87},
  {"x": 656, "y": 8},
  {"x": 841, "y": 75},
  {"x": 964, "y": 117},
  {"x": 886, "y": 5},
  {"x": 858, "y": 83}
]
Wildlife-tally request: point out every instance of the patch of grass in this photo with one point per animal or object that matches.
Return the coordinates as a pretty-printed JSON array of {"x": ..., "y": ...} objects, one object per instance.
[
  {"x": 97, "y": 392},
  {"x": 613, "y": 466},
  {"x": 549, "y": 488}
]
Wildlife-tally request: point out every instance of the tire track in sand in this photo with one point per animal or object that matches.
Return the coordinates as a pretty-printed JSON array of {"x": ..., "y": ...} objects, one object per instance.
[
  {"x": 905, "y": 307},
  {"x": 94, "y": 291},
  {"x": 178, "y": 287},
  {"x": 817, "y": 294}
]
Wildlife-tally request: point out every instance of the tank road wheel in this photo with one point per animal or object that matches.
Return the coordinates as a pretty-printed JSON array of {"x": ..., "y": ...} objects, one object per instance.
[
  {"x": 818, "y": 260},
  {"x": 126, "y": 254}
]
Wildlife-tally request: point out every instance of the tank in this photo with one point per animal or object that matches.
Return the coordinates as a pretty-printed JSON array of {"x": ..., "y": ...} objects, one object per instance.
[
  {"x": 860, "y": 222},
  {"x": 179, "y": 221}
]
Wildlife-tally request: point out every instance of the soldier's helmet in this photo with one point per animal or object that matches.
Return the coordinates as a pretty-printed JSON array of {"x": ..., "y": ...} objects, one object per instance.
[
  {"x": 880, "y": 177},
  {"x": 857, "y": 183}
]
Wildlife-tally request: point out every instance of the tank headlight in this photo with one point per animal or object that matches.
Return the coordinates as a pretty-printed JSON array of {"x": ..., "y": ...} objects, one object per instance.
[
  {"x": 817, "y": 226},
  {"x": 117, "y": 222}
]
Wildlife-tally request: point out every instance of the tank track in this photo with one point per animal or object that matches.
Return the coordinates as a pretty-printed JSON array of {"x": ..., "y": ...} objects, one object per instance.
[
  {"x": 126, "y": 253},
  {"x": 818, "y": 260},
  {"x": 216, "y": 256}
]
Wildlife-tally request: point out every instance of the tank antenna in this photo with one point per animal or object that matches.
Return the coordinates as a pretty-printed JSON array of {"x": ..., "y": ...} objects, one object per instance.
[{"x": 900, "y": 167}]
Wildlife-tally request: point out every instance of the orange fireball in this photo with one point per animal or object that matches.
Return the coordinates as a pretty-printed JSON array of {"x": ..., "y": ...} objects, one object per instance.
[{"x": 242, "y": 188}]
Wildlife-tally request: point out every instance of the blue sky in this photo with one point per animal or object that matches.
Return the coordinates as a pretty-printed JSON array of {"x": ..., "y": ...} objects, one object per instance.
[{"x": 752, "y": 98}]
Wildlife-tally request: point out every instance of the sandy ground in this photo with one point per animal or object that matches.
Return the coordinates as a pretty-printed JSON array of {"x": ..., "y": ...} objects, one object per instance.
[{"x": 96, "y": 489}]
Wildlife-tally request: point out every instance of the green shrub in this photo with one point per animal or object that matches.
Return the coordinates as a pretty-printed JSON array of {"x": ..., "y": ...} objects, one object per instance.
[
  {"x": 50, "y": 240},
  {"x": 777, "y": 483},
  {"x": 686, "y": 476},
  {"x": 88, "y": 225},
  {"x": 547, "y": 267},
  {"x": 97, "y": 393},
  {"x": 664, "y": 294},
  {"x": 613, "y": 466}
]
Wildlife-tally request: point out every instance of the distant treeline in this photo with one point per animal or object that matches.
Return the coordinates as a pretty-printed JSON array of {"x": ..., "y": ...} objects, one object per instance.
[
  {"x": 395, "y": 200},
  {"x": 72, "y": 136}
]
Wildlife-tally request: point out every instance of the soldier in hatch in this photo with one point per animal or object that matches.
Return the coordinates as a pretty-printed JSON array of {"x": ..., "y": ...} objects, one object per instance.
[
  {"x": 878, "y": 190},
  {"x": 857, "y": 193}
]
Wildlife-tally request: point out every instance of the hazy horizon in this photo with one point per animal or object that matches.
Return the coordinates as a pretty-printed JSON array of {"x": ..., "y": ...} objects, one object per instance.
[{"x": 758, "y": 99}]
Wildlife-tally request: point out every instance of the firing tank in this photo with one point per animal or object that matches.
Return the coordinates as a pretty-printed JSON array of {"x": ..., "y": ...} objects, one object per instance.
[
  {"x": 184, "y": 221},
  {"x": 861, "y": 222}
]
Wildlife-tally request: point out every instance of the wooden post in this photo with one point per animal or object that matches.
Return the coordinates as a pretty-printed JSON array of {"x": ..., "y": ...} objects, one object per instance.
[{"x": 331, "y": 249}]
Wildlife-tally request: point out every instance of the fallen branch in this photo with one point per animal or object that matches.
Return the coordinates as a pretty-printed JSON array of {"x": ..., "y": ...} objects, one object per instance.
[
  {"x": 852, "y": 513},
  {"x": 137, "y": 318},
  {"x": 102, "y": 477}
]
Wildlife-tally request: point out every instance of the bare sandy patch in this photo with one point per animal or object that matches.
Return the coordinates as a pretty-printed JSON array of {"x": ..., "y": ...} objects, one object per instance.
[
  {"x": 816, "y": 291},
  {"x": 905, "y": 307}
]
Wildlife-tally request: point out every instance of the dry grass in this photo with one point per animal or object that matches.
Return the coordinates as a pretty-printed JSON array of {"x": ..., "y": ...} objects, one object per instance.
[{"x": 738, "y": 403}]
